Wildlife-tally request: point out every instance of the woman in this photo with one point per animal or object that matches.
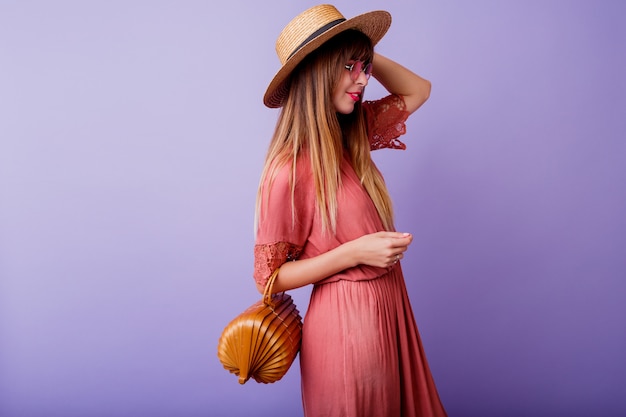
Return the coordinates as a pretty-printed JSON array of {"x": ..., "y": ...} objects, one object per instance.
[{"x": 324, "y": 217}]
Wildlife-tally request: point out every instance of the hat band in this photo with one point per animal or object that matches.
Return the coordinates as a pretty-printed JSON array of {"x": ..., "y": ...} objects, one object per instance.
[{"x": 316, "y": 34}]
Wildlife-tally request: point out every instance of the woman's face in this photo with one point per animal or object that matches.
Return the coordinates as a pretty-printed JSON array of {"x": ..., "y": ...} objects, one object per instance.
[{"x": 349, "y": 90}]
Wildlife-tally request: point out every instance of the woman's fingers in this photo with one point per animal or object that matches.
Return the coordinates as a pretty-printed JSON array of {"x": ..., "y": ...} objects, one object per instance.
[
  {"x": 394, "y": 259},
  {"x": 383, "y": 249},
  {"x": 395, "y": 235}
]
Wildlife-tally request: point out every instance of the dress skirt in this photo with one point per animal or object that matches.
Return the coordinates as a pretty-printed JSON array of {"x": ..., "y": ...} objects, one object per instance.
[{"x": 361, "y": 352}]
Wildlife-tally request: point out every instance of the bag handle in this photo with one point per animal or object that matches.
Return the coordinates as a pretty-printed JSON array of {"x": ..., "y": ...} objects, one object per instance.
[{"x": 267, "y": 293}]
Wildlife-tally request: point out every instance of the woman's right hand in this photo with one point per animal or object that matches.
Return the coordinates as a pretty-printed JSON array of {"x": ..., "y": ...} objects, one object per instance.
[{"x": 380, "y": 249}]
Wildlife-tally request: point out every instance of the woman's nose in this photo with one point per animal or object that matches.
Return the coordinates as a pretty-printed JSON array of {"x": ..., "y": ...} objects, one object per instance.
[{"x": 362, "y": 79}]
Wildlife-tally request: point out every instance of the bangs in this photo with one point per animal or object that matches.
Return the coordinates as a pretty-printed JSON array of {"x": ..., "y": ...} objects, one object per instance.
[
  {"x": 358, "y": 46},
  {"x": 347, "y": 45}
]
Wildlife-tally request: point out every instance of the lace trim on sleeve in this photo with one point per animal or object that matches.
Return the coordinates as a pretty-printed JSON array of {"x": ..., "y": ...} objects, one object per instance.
[
  {"x": 268, "y": 257},
  {"x": 386, "y": 119}
]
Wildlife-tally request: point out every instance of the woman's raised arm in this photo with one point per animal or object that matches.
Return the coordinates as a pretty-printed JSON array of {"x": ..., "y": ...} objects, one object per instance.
[{"x": 399, "y": 80}]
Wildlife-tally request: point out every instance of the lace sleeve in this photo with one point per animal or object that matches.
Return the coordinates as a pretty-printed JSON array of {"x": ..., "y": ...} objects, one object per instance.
[
  {"x": 269, "y": 256},
  {"x": 385, "y": 122}
]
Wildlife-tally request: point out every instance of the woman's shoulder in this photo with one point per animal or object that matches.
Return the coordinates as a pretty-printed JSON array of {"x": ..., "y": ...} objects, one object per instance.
[
  {"x": 385, "y": 120},
  {"x": 284, "y": 173}
]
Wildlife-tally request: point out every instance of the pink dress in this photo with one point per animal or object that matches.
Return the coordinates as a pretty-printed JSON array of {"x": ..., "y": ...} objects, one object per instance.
[{"x": 361, "y": 352}]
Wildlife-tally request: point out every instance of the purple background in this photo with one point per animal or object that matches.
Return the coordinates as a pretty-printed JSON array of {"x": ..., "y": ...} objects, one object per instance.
[{"x": 132, "y": 136}]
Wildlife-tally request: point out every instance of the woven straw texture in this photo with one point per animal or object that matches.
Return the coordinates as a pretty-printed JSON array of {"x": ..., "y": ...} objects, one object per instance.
[
  {"x": 309, "y": 30},
  {"x": 300, "y": 28}
]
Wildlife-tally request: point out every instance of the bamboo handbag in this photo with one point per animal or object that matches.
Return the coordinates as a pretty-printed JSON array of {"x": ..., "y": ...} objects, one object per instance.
[{"x": 262, "y": 342}]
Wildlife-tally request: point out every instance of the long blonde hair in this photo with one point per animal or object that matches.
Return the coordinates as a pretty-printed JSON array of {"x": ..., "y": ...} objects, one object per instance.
[{"x": 309, "y": 122}]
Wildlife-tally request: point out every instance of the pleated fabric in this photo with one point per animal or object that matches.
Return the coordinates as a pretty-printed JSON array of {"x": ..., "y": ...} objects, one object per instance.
[{"x": 362, "y": 354}]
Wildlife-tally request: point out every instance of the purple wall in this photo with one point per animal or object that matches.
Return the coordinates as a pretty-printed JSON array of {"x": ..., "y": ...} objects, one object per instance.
[{"x": 132, "y": 135}]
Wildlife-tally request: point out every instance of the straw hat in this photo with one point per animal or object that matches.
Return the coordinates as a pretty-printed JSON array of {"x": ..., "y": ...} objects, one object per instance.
[{"x": 309, "y": 30}]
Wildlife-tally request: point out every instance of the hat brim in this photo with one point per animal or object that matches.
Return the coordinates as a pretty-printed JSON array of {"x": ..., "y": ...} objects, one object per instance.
[{"x": 373, "y": 24}]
